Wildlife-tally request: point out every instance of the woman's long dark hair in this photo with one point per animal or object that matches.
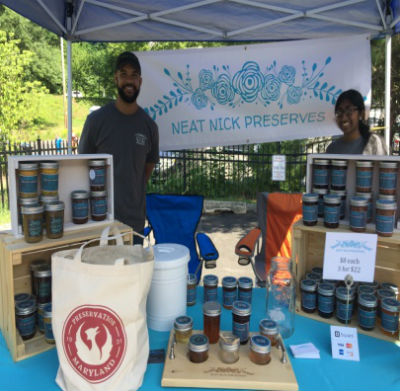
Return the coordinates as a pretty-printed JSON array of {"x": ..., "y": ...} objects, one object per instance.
[{"x": 357, "y": 100}]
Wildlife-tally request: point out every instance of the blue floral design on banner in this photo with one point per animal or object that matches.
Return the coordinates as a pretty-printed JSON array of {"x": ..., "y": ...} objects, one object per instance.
[{"x": 250, "y": 84}]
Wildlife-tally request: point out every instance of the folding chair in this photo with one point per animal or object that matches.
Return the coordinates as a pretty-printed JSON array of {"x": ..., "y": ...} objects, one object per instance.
[
  {"x": 174, "y": 219},
  {"x": 276, "y": 214}
]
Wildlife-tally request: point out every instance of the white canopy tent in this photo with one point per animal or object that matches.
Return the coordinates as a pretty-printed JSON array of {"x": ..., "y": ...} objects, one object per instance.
[{"x": 212, "y": 20}]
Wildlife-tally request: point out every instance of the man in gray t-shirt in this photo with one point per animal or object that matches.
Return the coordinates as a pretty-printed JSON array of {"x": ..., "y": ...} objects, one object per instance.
[{"x": 124, "y": 130}]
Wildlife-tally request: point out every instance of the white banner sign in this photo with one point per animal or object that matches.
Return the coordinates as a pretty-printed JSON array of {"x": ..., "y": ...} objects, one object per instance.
[{"x": 254, "y": 93}]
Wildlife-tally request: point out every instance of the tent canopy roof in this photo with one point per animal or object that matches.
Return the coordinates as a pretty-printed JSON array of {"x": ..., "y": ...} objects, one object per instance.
[{"x": 207, "y": 20}]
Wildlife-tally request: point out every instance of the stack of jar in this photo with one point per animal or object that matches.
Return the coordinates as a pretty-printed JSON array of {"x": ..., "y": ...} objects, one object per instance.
[
  {"x": 36, "y": 213},
  {"x": 372, "y": 300},
  {"x": 33, "y": 311}
]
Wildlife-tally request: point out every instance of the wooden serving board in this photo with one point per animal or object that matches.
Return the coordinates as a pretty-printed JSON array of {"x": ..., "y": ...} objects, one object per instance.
[{"x": 213, "y": 373}]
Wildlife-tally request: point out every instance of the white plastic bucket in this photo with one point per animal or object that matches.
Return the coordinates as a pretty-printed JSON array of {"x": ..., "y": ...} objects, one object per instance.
[{"x": 167, "y": 296}]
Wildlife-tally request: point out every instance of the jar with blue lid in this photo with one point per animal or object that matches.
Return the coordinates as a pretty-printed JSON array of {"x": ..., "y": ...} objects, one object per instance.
[
  {"x": 210, "y": 285},
  {"x": 331, "y": 210},
  {"x": 326, "y": 299},
  {"x": 342, "y": 195},
  {"x": 183, "y": 326},
  {"x": 310, "y": 209},
  {"x": 373, "y": 284},
  {"x": 385, "y": 217},
  {"x": 21, "y": 297},
  {"x": 260, "y": 350},
  {"x": 370, "y": 204},
  {"x": 367, "y": 289},
  {"x": 229, "y": 291},
  {"x": 338, "y": 174},
  {"x": 318, "y": 270},
  {"x": 80, "y": 206},
  {"x": 269, "y": 328},
  {"x": 358, "y": 214},
  {"x": 198, "y": 348},
  {"x": 367, "y": 307},
  {"x": 241, "y": 311},
  {"x": 321, "y": 173},
  {"x": 317, "y": 277},
  {"x": 392, "y": 287},
  {"x": 390, "y": 308},
  {"x": 48, "y": 329},
  {"x": 321, "y": 193},
  {"x": 308, "y": 290},
  {"x": 388, "y": 173},
  {"x": 25, "y": 313},
  {"x": 191, "y": 289},
  {"x": 344, "y": 304},
  {"x": 245, "y": 289}
]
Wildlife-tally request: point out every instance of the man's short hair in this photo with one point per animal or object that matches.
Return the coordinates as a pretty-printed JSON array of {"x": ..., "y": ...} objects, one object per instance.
[{"x": 126, "y": 58}]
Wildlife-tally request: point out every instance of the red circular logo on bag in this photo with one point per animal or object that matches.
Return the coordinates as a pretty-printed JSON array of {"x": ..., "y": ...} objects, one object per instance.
[{"x": 94, "y": 342}]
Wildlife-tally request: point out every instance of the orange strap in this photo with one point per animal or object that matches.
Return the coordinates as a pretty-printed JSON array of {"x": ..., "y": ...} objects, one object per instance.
[{"x": 245, "y": 246}]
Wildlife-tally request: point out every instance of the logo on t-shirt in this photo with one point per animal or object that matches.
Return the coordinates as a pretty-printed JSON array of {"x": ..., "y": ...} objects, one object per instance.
[{"x": 140, "y": 139}]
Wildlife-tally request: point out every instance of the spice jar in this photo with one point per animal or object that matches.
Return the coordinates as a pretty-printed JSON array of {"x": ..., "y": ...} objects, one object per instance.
[
  {"x": 191, "y": 289},
  {"x": 321, "y": 173},
  {"x": 245, "y": 291},
  {"x": 390, "y": 316},
  {"x": 98, "y": 205},
  {"x": 260, "y": 350},
  {"x": 241, "y": 311},
  {"x": 198, "y": 348},
  {"x": 183, "y": 326},
  {"x": 326, "y": 299},
  {"x": 358, "y": 214},
  {"x": 34, "y": 201},
  {"x": 49, "y": 178},
  {"x": 80, "y": 206},
  {"x": 32, "y": 217},
  {"x": 210, "y": 283},
  {"x": 338, "y": 174},
  {"x": 388, "y": 177},
  {"x": 211, "y": 319},
  {"x": 34, "y": 265},
  {"x": 364, "y": 171},
  {"x": 54, "y": 213},
  {"x": 391, "y": 287},
  {"x": 48, "y": 329},
  {"x": 344, "y": 304},
  {"x": 229, "y": 291},
  {"x": 310, "y": 209},
  {"x": 28, "y": 179},
  {"x": 42, "y": 282},
  {"x": 97, "y": 174},
  {"x": 321, "y": 193},
  {"x": 229, "y": 348},
  {"x": 25, "y": 313},
  {"x": 308, "y": 289},
  {"x": 367, "y": 306},
  {"x": 342, "y": 195},
  {"x": 370, "y": 207},
  {"x": 331, "y": 210},
  {"x": 385, "y": 217},
  {"x": 269, "y": 328}
]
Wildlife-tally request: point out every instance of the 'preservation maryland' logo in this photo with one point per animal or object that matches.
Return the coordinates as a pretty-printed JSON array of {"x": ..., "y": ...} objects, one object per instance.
[{"x": 94, "y": 342}]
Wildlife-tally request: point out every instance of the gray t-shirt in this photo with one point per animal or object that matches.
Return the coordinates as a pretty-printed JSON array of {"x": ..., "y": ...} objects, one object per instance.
[
  {"x": 132, "y": 140},
  {"x": 344, "y": 147}
]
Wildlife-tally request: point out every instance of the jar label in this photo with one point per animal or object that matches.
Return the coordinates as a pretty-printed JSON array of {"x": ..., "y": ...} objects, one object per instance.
[
  {"x": 344, "y": 310},
  {"x": 35, "y": 227},
  {"x": 80, "y": 209},
  {"x": 49, "y": 182},
  {"x": 326, "y": 304},
  {"x": 338, "y": 178},
  {"x": 210, "y": 294},
  {"x": 228, "y": 297},
  {"x": 191, "y": 295},
  {"x": 309, "y": 300},
  {"x": 28, "y": 184},
  {"x": 389, "y": 322},
  {"x": 26, "y": 326},
  {"x": 44, "y": 289},
  {"x": 387, "y": 180},
  {"x": 331, "y": 214},
  {"x": 97, "y": 176},
  {"x": 358, "y": 219},
  {"x": 364, "y": 178},
  {"x": 99, "y": 206},
  {"x": 56, "y": 225},
  {"x": 241, "y": 330},
  {"x": 367, "y": 319},
  {"x": 310, "y": 212},
  {"x": 245, "y": 295},
  {"x": 384, "y": 224},
  {"x": 320, "y": 177}
]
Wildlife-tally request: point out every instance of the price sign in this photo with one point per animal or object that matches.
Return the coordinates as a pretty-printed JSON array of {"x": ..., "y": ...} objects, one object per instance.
[{"x": 278, "y": 167}]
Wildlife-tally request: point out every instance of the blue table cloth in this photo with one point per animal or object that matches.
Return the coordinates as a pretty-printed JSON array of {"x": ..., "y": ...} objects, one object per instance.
[{"x": 378, "y": 368}]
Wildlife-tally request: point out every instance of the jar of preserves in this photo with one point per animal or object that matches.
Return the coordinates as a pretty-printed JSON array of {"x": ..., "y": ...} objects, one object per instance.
[
  {"x": 25, "y": 314},
  {"x": 34, "y": 265},
  {"x": 370, "y": 206},
  {"x": 212, "y": 318},
  {"x": 392, "y": 287},
  {"x": 342, "y": 195},
  {"x": 308, "y": 289},
  {"x": 49, "y": 178},
  {"x": 42, "y": 281},
  {"x": 229, "y": 291},
  {"x": 97, "y": 174},
  {"x": 338, "y": 174},
  {"x": 245, "y": 289},
  {"x": 80, "y": 206},
  {"x": 210, "y": 284},
  {"x": 28, "y": 179},
  {"x": 191, "y": 289},
  {"x": 331, "y": 210},
  {"x": 321, "y": 193},
  {"x": 54, "y": 213},
  {"x": 198, "y": 348},
  {"x": 40, "y": 312},
  {"x": 390, "y": 316},
  {"x": 98, "y": 205},
  {"x": 229, "y": 348},
  {"x": 32, "y": 217},
  {"x": 326, "y": 299},
  {"x": 344, "y": 304},
  {"x": 385, "y": 217},
  {"x": 183, "y": 326},
  {"x": 367, "y": 306},
  {"x": 241, "y": 311},
  {"x": 310, "y": 209},
  {"x": 269, "y": 328},
  {"x": 388, "y": 173},
  {"x": 381, "y": 295},
  {"x": 358, "y": 214},
  {"x": 321, "y": 173},
  {"x": 260, "y": 350},
  {"x": 364, "y": 170},
  {"x": 34, "y": 201},
  {"x": 48, "y": 328},
  {"x": 393, "y": 199}
]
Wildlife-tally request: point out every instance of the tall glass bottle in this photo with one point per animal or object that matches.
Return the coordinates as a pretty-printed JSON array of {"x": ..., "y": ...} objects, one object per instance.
[{"x": 281, "y": 295}]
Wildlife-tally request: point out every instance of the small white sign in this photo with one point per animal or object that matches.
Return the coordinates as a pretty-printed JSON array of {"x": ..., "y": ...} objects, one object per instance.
[
  {"x": 350, "y": 254},
  {"x": 345, "y": 343},
  {"x": 278, "y": 167}
]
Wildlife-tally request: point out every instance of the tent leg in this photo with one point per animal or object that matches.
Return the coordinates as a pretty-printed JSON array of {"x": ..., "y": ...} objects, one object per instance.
[
  {"x": 69, "y": 87},
  {"x": 388, "y": 62}
]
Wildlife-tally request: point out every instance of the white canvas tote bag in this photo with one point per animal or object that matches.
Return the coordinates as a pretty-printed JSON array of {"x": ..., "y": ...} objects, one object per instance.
[{"x": 99, "y": 315}]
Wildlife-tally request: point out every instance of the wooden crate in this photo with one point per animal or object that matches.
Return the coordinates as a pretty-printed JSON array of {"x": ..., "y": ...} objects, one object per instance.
[
  {"x": 308, "y": 252},
  {"x": 16, "y": 256}
]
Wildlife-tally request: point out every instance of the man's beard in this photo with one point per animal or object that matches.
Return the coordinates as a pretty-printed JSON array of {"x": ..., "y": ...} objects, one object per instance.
[{"x": 128, "y": 98}]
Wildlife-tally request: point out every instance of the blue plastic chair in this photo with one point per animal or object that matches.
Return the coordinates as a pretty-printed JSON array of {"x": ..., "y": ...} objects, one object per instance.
[{"x": 174, "y": 219}]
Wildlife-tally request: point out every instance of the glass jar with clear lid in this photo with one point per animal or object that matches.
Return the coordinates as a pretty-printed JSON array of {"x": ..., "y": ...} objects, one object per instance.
[{"x": 228, "y": 347}]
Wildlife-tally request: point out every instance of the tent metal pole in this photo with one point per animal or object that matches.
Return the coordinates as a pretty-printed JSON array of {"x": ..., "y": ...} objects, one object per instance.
[
  {"x": 69, "y": 88},
  {"x": 388, "y": 62}
]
